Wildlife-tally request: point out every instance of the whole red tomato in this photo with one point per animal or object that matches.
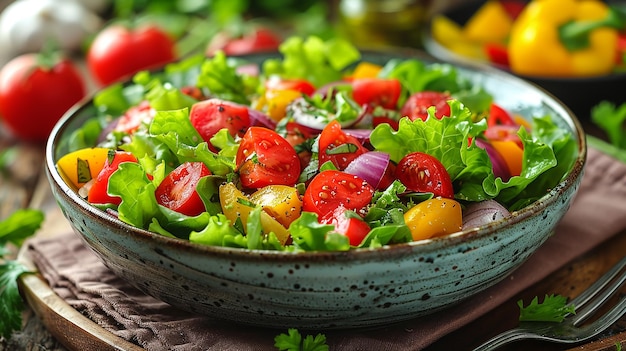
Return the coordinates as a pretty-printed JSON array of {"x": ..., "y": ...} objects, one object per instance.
[
  {"x": 34, "y": 95},
  {"x": 119, "y": 51},
  {"x": 255, "y": 40}
]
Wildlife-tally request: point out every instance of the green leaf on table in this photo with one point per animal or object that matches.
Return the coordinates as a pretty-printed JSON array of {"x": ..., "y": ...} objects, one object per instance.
[
  {"x": 11, "y": 303},
  {"x": 554, "y": 308},
  {"x": 293, "y": 341},
  {"x": 612, "y": 119},
  {"x": 18, "y": 226},
  {"x": 14, "y": 229}
]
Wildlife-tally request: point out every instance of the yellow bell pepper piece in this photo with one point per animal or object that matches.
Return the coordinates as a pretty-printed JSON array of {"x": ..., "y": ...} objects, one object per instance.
[
  {"x": 435, "y": 217},
  {"x": 79, "y": 167},
  {"x": 366, "y": 70},
  {"x": 235, "y": 204},
  {"x": 450, "y": 35},
  {"x": 539, "y": 44},
  {"x": 490, "y": 24},
  {"x": 277, "y": 101}
]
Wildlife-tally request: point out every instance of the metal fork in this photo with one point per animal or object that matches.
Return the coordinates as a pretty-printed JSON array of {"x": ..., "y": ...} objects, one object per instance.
[{"x": 571, "y": 330}]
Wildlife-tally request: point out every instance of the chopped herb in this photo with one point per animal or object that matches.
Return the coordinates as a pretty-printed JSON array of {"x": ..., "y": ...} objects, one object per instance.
[
  {"x": 554, "y": 308},
  {"x": 293, "y": 341}
]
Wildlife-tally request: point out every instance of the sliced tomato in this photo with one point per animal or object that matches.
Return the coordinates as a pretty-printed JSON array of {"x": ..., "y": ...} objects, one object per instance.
[
  {"x": 424, "y": 173},
  {"x": 331, "y": 189},
  {"x": 499, "y": 116},
  {"x": 134, "y": 116},
  {"x": 338, "y": 147},
  {"x": 354, "y": 228},
  {"x": 416, "y": 106},
  {"x": 377, "y": 92},
  {"x": 264, "y": 158},
  {"x": 301, "y": 85},
  {"x": 297, "y": 134},
  {"x": 98, "y": 192},
  {"x": 178, "y": 190},
  {"x": 209, "y": 116}
]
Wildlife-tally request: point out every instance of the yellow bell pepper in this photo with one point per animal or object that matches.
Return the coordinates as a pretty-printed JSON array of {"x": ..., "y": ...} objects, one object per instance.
[
  {"x": 490, "y": 24},
  {"x": 564, "y": 38}
]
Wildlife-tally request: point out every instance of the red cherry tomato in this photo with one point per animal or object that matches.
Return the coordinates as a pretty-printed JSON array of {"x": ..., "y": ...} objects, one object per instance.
[
  {"x": 499, "y": 116},
  {"x": 331, "y": 189},
  {"x": 297, "y": 134},
  {"x": 264, "y": 158},
  {"x": 33, "y": 97},
  {"x": 417, "y": 105},
  {"x": 301, "y": 85},
  {"x": 209, "y": 116},
  {"x": 134, "y": 116},
  {"x": 118, "y": 52},
  {"x": 338, "y": 147},
  {"x": 424, "y": 173},
  {"x": 354, "y": 228},
  {"x": 377, "y": 92},
  {"x": 178, "y": 190},
  {"x": 98, "y": 191},
  {"x": 255, "y": 41},
  {"x": 497, "y": 54}
]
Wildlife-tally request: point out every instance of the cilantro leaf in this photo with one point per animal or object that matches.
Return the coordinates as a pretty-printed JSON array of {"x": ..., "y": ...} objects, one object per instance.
[
  {"x": 14, "y": 229},
  {"x": 12, "y": 304},
  {"x": 554, "y": 308},
  {"x": 20, "y": 225},
  {"x": 293, "y": 341}
]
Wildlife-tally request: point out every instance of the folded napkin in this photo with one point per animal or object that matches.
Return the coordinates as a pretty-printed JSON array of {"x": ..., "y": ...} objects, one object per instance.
[{"x": 76, "y": 274}]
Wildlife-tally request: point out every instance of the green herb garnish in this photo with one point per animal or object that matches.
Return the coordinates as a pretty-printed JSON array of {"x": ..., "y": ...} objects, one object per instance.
[
  {"x": 293, "y": 341},
  {"x": 554, "y": 308}
]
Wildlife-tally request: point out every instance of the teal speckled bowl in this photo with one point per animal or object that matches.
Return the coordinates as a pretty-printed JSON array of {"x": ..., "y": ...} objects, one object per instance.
[{"x": 360, "y": 288}]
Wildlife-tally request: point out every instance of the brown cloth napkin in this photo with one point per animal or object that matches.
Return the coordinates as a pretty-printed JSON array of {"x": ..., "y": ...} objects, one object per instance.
[{"x": 76, "y": 274}]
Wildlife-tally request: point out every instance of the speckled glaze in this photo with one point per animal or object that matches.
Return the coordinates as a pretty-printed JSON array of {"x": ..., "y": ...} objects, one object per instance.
[{"x": 360, "y": 288}]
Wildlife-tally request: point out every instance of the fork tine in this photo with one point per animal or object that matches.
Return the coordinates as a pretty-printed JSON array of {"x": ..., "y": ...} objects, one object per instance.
[
  {"x": 604, "y": 322},
  {"x": 602, "y": 294},
  {"x": 596, "y": 287}
]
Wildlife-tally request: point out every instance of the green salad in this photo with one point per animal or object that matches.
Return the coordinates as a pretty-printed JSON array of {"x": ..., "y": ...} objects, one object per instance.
[{"x": 313, "y": 149}]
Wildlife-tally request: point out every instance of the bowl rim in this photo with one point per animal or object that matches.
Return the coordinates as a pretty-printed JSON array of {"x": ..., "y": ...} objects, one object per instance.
[{"x": 423, "y": 246}]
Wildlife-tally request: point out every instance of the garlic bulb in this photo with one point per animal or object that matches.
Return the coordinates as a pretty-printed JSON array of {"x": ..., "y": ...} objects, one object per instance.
[{"x": 26, "y": 25}]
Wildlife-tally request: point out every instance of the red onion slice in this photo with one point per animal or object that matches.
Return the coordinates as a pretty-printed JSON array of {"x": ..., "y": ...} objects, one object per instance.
[
  {"x": 370, "y": 166},
  {"x": 481, "y": 213},
  {"x": 500, "y": 169}
]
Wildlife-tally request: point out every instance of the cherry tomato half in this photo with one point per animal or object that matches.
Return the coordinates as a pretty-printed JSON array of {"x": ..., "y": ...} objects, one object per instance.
[
  {"x": 264, "y": 158},
  {"x": 98, "y": 192},
  {"x": 34, "y": 97},
  {"x": 330, "y": 189},
  {"x": 416, "y": 106},
  {"x": 209, "y": 116},
  {"x": 338, "y": 147},
  {"x": 134, "y": 116},
  {"x": 178, "y": 190},
  {"x": 118, "y": 51},
  {"x": 424, "y": 173},
  {"x": 377, "y": 92},
  {"x": 354, "y": 228}
]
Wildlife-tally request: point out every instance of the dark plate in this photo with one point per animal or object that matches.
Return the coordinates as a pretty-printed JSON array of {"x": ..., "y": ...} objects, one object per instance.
[{"x": 579, "y": 94}]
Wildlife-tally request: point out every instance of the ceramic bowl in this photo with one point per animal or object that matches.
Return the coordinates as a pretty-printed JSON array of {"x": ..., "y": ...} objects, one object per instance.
[
  {"x": 580, "y": 94},
  {"x": 329, "y": 290}
]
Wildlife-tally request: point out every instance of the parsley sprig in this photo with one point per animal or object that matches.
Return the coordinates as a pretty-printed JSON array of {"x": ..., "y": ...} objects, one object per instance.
[
  {"x": 554, "y": 308},
  {"x": 293, "y": 341},
  {"x": 14, "y": 230}
]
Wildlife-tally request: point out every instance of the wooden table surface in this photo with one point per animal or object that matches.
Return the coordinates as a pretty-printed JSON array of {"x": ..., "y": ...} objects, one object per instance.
[{"x": 17, "y": 189}]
